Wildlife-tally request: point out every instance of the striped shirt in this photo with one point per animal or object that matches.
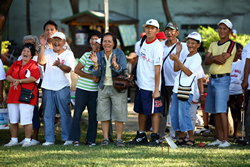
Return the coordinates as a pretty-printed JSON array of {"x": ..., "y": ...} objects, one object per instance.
[{"x": 86, "y": 83}]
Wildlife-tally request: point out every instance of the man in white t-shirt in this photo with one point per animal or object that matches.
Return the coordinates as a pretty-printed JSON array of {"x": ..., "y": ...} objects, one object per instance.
[
  {"x": 246, "y": 87},
  {"x": 56, "y": 84},
  {"x": 147, "y": 95},
  {"x": 2, "y": 77},
  {"x": 168, "y": 77}
]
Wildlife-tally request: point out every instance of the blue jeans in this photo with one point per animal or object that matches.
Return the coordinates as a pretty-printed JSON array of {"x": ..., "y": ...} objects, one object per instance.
[
  {"x": 36, "y": 118},
  {"x": 180, "y": 114},
  {"x": 84, "y": 98},
  {"x": 217, "y": 95},
  {"x": 56, "y": 99}
]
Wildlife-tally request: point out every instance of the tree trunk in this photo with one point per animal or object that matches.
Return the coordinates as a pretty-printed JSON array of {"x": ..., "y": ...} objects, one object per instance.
[
  {"x": 166, "y": 10},
  {"x": 4, "y": 11},
  {"x": 75, "y": 6},
  {"x": 28, "y": 17}
]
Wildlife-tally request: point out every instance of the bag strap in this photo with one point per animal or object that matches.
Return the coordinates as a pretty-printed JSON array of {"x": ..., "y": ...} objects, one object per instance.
[
  {"x": 180, "y": 76},
  {"x": 162, "y": 73},
  {"x": 20, "y": 78},
  {"x": 143, "y": 39}
]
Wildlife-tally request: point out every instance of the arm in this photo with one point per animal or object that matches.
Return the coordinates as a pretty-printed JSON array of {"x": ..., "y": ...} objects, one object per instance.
[
  {"x": 156, "y": 93},
  {"x": 132, "y": 83},
  {"x": 41, "y": 56},
  {"x": 246, "y": 74},
  {"x": 201, "y": 90},
  {"x": 83, "y": 74},
  {"x": 219, "y": 59},
  {"x": 63, "y": 67},
  {"x": 178, "y": 65}
]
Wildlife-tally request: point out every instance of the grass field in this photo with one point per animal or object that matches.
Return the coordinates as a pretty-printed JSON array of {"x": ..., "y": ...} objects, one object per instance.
[{"x": 110, "y": 155}]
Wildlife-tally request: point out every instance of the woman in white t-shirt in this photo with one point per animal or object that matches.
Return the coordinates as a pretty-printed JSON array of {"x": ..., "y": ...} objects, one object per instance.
[{"x": 180, "y": 109}]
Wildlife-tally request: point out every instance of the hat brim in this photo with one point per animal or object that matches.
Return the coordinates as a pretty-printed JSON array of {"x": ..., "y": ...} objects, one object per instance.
[{"x": 144, "y": 25}]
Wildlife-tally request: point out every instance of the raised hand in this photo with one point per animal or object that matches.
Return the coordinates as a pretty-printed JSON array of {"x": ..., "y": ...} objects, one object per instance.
[
  {"x": 43, "y": 40},
  {"x": 93, "y": 57},
  {"x": 178, "y": 47},
  {"x": 57, "y": 62},
  {"x": 114, "y": 61},
  {"x": 173, "y": 56}
]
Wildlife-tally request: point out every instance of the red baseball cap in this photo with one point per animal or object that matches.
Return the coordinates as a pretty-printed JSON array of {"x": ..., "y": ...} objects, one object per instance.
[{"x": 160, "y": 35}]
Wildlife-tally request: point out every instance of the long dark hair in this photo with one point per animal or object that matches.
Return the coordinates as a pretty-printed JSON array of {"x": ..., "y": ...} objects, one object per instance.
[{"x": 113, "y": 37}]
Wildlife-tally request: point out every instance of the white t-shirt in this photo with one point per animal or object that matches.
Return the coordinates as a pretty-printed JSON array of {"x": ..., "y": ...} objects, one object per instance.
[
  {"x": 150, "y": 55},
  {"x": 244, "y": 55},
  {"x": 2, "y": 72},
  {"x": 196, "y": 95},
  {"x": 137, "y": 46},
  {"x": 237, "y": 76},
  {"x": 168, "y": 67},
  {"x": 54, "y": 78},
  {"x": 193, "y": 64}
]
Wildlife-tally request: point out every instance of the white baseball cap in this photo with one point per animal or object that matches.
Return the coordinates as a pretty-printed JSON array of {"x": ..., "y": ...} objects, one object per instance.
[
  {"x": 59, "y": 35},
  {"x": 227, "y": 22},
  {"x": 98, "y": 41},
  {"x": 195, "y": 36},
  {"x": 152, "y": 22}
]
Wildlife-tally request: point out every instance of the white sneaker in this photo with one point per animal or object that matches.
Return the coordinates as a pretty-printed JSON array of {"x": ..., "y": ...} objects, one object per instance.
[
  {"x": 21, "y": 143},
  {"x": 68, "y": 142},
  {"x": 34, "y": 142},
  {"x": 203, "y": 130},
  {"x": 216, "y": 142},
  {"x": 224, "y": 144},
  {"x": 48, "y": 144},
  {"x": 11, "y": 143},
  {"x": 27, "y": 144}
]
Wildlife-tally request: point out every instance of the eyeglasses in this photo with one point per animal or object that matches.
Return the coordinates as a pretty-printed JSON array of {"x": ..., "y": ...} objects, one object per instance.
[
  {"x": 56, "y": 40},
  {"x": 30, "y": 47}
]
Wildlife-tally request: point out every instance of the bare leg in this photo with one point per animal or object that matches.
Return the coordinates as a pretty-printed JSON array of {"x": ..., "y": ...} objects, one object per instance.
[
  {"x": 218, "y": 126},
  {"x": 191, "y": 135},
  {"x": 35, "y": 134},
  {"x": 142, "y": 122},
  {"x": 182, "y": 135},
  {"x": 155, "y": 122},
  {"x": 205, "y": 117},
  {"x": 119, "y": 128},
  {"x": 28, "y": 130},
  {"x": 105, "y": 128},
  {"x": 236, "y": 128},
  {"x": 224, "y": 122},
  {"x": 14, "y": 130}
]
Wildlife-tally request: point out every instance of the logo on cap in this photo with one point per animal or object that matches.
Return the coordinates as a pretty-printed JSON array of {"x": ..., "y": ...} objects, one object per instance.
[
  {"x": 193, "y": 34},
  {"x": 150, "y": 21}
]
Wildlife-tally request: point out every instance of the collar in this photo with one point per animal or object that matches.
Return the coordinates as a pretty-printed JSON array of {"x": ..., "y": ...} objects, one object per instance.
[
  {"x": 164, "y": 42},
  {"x": 151, "y": 41}
]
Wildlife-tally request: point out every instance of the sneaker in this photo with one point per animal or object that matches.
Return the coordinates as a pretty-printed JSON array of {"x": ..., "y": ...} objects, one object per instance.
[
  {"x": 11, "y": 143},
  {"x": 224, "y": 144},
  {"x": 27, "y": 144},
  {"x": 68, "y": 142},
  {"x": 48, "y": 144},
  {"x": 76, "y": 143},
  {"x": 154, "y": 140},
  {"x": 203, "y": 130},
  {"x": 89, "y": 143},
  {"x": 21, "y": 143},
  {"x": 140, "y": 139},
  {"x": 216, "y": 142},
  {"x": 34, "y": 142}
]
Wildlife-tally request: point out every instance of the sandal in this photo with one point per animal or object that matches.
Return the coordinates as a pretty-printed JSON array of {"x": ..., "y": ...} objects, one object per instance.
[
  {"x": 181, "y": 142},
  {"x": 187, "y": 144},
  {"x": 105, "y": 142},
  {"x": 119, "y": 143}
]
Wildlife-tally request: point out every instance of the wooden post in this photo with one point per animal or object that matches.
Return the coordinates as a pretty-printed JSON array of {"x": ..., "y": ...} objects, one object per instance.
[{"x": 106, "y": 13}]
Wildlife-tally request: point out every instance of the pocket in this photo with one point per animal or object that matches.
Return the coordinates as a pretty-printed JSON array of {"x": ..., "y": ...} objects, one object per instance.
[{"x": 124, "y": 105}]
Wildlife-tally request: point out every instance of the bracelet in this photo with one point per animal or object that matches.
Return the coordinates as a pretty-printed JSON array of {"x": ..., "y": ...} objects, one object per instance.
[
  {"x": 202, "y": 94},
  {"x": 95, "y": 66},
  {"x": 59, "y": 66},
  {"x": 116, "y": 65},
  {"x": 20, "y": 81}
]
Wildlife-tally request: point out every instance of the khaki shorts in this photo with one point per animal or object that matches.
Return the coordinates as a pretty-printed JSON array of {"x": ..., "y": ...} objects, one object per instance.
[{"x": 111, "y": 105}]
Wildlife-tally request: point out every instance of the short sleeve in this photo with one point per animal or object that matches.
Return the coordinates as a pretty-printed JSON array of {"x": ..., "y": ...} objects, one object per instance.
[
  {"x": 210, "y": 47},
  {"x": 2, "y": 72},
  {"x": 34, "y": 71},
  {"x": 11, "y": 69},
  {"x": 196, "y": 64},
  {"x": 83, "y": 59},
  {"x": 158, "y": 55},
  {"x": 70, "y": 60},
  {"x": 201, "y": 73}
]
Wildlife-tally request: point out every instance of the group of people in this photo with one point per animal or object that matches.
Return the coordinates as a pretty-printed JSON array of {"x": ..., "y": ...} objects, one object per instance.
[{"x": 167, "y": 74}]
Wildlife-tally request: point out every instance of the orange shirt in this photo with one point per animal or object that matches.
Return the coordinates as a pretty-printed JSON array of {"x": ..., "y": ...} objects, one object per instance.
[{"x": 32, "y": 66}]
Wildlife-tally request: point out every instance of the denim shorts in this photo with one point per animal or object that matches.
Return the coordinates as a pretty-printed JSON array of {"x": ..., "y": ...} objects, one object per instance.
[
  {"x": 180, "y": 114},
  {"x": 217, "y": 95}
]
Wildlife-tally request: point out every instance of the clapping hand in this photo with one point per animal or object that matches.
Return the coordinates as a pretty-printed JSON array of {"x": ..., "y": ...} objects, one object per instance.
[
  {"x": 93, "y": 57},
  {"x": 43, "y": 40},
  {"x": 57, "y": 62},
  {"x": 114, "y": 61},
  {"x": 178, "y": 47},
  {"x": 173, "y": 56}
]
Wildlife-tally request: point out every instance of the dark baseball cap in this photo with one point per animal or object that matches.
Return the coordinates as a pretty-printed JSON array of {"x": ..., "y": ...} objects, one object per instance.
[{"x": 172, "y": 25}]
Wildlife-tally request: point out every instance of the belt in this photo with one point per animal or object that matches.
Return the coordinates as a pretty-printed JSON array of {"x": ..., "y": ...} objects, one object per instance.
[{"x": 219, "y": 75}]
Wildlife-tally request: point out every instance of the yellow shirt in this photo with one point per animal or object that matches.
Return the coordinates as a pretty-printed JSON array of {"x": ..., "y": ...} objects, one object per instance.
[
  {"x": 108, "y": 74},
  {"x": 217, "y": 49}
]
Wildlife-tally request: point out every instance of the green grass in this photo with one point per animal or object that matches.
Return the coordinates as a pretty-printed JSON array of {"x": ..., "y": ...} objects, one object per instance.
[{"x": 110, "y": 155}]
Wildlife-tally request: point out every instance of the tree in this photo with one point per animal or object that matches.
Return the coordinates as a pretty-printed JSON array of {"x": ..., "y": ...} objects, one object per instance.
[
  {"x": 28, "y": 17},
  {"x": 166, "y": 10},
  {"x": 75, "y": 6},
  {"x": 4, "y": 11}
]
